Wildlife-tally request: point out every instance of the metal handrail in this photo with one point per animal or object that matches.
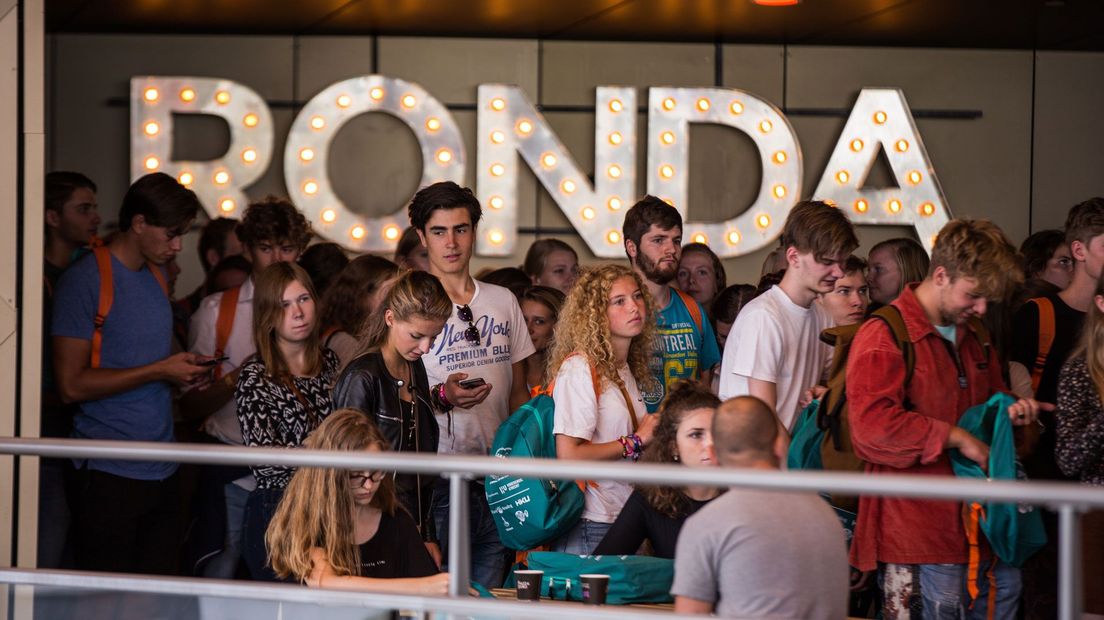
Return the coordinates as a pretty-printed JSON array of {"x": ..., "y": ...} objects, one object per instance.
[{"x": 1068, "y": 499}]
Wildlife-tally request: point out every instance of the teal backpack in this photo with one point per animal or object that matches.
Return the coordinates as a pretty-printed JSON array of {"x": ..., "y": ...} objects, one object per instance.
[
  {"x": 530, "y": 512},
  {"x": 633, "y": 578},
  {"x": 1014, "y": 531}
]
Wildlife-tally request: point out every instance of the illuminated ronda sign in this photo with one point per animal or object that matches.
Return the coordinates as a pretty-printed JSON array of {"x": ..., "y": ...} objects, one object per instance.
[{"x": 511, "y": 133}]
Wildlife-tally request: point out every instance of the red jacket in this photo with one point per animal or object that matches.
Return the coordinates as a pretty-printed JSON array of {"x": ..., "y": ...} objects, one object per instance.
[{"x": 892, "y": 439}]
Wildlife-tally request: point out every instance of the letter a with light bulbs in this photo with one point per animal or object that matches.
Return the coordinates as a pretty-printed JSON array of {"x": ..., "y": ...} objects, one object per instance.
[{"x": 511, "y": 132}]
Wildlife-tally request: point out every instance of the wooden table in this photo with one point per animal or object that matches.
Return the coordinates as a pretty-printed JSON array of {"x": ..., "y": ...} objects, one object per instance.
[{"x": 511, "y": 594}]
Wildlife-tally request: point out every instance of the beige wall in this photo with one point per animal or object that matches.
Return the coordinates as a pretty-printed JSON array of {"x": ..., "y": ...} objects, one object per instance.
[{"x": 1031, "y": 154}]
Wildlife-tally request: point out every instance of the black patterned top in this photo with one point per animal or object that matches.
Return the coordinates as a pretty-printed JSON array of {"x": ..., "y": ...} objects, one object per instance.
[
  {"x": 272, "y": 415},
  {"x": 1080, "y": 441}
]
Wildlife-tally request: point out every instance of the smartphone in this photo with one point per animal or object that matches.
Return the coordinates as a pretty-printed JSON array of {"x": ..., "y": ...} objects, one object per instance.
[
  {"x": 471, "y": 384},
  {"x": 213, "y": 362}
]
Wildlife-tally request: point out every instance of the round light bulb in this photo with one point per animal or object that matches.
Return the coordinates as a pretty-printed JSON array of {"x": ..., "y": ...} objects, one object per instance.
[
  {"x": 496, "y": 237},
  {"x": 498, "y": 137},
  {"x": 763, "y": 220},
  {"x": 927, "y": 209},
  {"x": 250, "y": 120},
  {"x": 779, "y": 157},
  {"x": 861, "y": 206},
  {"x": 524, "y": 127},
  {"x": 391, "y": 232},
  {"x": 894, "y": 206},
  {"x": 568, "y": 186},
  {"x": 498, "y": 104},
  {"x": 226, "y": 205},
  {"x": 187, "y": 95},
  {"x": 408, "y": 101},
  {"x": 344, "y": 101},
  {"x": 614, "y": 203},
  {"x": 843, "y": 176},
  {"x": 588, "y": 213},
  {"x": 222, "y": 97},
  {"x": 151, "y": 128},
  {"x": 151, "y": 95},
  {"x": 614, "y": 171},
  {"x": 615, "y": 105},
  {"x": 901, "y": 145},
  {"x": 310, "y": 188},
  {"x": 185, "y": 178},
  {"x": 433, "y": 123},
  {"x": 357, "y": 232},
  {"x": 668, "y": 104},
  {"x": 700, "y": 238},
  {"x": 667, "y": 137},
  {"x": 249, "y": 155},
  {"x": 152, "y": 163},
  {"x": 765, "y": 126},
  {"x": 915, "y": 177},
  {"x": 703, "y": 104},
  {"x": 736, "y": 108},
  {"x": 444, "y": 156},
  {"x": 222, "y": 177},
  {"x": 306, "y": 154},
  {"x": 498, "y": 170},
  {"x": 548, "y": 160},
  {"x": 317, "y": 122},
  {"x": 880, "y": 117},
  {"x": 666, "y": 171},
  {"x": 497, "y": 202},
  {"x": 615, "y": 138},
  {"x": 779, "y": 191},
  {"x": 329, "y": 216},
  {"x": 613, "y": 236},
  {"x": 856, "y": 145},
  {"x": 376, "y": 93},
  {"x": 733, "y": 237}
]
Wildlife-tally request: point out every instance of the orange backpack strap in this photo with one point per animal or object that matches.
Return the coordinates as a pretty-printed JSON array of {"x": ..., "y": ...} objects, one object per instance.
[
  {"x": 107, "y": 297},
  {"x": 328, "y": 333},
  {"x": 160, "y": 277},
  {"x": 224, "y": 324},
  {"x": 972, "y": 516},
  {"x": 692, "y": 306},
  {"x": 1046, "y": 338}
]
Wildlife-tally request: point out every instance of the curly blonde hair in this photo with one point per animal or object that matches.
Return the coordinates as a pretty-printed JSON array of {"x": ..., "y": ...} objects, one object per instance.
[{"x": 584, "y": 328}]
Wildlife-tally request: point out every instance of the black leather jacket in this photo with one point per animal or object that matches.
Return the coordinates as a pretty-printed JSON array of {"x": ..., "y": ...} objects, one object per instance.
[{"x": 366, "y": 385}]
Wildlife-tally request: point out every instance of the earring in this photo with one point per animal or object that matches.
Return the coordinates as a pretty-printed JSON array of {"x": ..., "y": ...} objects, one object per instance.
[{"x": 676, "y": 458}]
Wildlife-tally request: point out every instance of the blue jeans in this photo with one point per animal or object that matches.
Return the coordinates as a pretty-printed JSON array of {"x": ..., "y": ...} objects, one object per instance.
[
  {"x": 259, "y": 510},
  {"x": 943, "y": 593},
  {"x": 225, "y": 564},
  {"x": 583, "y": 538},
  {"x": 489, "y": 557}
]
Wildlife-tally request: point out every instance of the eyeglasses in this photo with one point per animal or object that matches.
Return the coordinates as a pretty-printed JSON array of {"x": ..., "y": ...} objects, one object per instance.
[
  {"x": 471, "y": 334},
  {"x": 357, "y": 480}
]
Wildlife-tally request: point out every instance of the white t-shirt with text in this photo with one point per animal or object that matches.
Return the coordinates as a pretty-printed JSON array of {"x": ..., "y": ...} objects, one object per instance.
[
  {"x": 775, "y": 340},
  {"x": 503, "y": 341},
  {"x": 580, "y": 415}
]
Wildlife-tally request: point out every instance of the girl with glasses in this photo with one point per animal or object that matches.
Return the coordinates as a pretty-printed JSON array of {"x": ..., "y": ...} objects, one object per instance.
[
  {"x": 283, "y": 391},
  {"x": 344, "y": 529},
  {"x": 387, "y": 382}
]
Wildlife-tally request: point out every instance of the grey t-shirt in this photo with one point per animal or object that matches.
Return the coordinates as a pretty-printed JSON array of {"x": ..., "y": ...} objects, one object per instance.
[{"x": 763, "y": 554}]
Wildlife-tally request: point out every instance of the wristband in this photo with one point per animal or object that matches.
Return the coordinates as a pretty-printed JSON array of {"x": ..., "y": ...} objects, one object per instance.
[
  {"x": 625, "y": 449},
  {"x": 638, "y": 446}
]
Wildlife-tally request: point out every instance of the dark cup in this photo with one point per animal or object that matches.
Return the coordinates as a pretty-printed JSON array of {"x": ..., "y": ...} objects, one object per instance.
[
  {"x": 595, "y": 588},
  {"x": 528, "y": 584}
]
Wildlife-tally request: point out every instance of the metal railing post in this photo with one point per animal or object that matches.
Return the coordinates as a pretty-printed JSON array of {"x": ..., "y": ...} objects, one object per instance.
[
  {"x": 1069, "y": 562},
  {"x": 459, "y": 541}
]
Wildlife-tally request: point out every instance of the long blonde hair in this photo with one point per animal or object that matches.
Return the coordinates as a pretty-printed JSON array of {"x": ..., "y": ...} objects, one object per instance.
[
  {"x": 413, "y": 294},
  {"x": 1092, "y": 341},
  {"x": 584, "y": 327},
  {"x": 317, "y": 509},
  {"x": 268, "y": 313}
]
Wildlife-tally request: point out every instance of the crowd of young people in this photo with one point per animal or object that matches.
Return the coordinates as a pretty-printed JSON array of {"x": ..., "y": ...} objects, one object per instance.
[{"x": 417, "y": 355}]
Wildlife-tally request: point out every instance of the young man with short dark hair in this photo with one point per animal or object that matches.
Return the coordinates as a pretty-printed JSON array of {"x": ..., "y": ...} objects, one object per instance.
[
  {"x": 686, "y": 347},
  {"x": 754, "y": 553},
  {"x": 909, "y": 426},
  {"x": 120, "y": 369},
  {"x": 485, "y": 338},
  {"x": 774, "y": 350},
  {"x": 217, "y": 240}
]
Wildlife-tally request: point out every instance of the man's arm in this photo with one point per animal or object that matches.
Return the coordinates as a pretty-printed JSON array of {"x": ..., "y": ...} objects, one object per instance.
[
  {"x": 198, "y": 404},
  {"x": 77, "y": 381},
  {"x": 687, "y": 605},
  {"x": 706, "y": 379}
]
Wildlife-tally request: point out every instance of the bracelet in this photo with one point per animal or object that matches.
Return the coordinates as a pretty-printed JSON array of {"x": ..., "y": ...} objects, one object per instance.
[
  {"x": 437, "y": 393},
  {"x": 638, "y": 446},
  {"x": 625, "y": 449}
]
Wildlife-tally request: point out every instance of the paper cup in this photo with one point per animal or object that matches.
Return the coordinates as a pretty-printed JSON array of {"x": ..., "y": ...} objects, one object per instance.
[
  {"x": 528, "y": 584},
  {"x": 595, "y": 588}
]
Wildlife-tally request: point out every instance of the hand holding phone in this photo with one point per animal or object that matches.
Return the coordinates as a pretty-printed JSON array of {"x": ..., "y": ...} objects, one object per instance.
[
  {"x": 471, "y": 384},
  {"x": 213, "y": 361}
]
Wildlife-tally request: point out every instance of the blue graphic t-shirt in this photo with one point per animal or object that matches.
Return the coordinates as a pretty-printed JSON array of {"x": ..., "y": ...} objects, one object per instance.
[
  {"x": 682, "y": 350},
  {"x": 138, "y": 331}
]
